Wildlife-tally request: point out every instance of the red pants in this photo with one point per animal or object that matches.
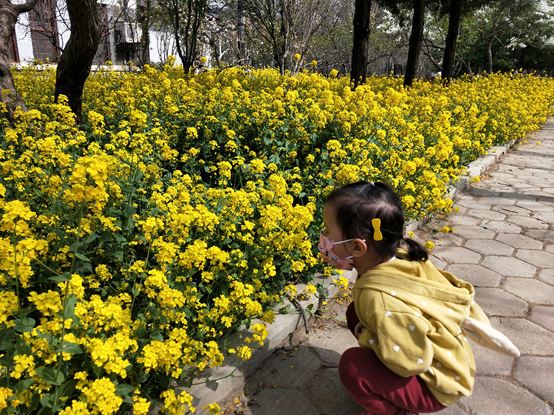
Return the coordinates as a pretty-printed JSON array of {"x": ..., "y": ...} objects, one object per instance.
[{"x": 375, "y": 387}]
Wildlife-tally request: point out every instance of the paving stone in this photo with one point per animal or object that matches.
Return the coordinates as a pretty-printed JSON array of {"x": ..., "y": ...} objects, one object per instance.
[
  {"x": 503, "y": 176},
  {"x": 547, "y": 275},
  {"x": 488, "y": 247},
  {"x": 476, "y": 232},
  {"x": 495, "y": 201},
  {"x": 493, "y": 396},
  {"x": 534, "y": 206},
  {"x": 549, "y": 248},
  {"x": 512, "y": 210},
  {"x": 517, "y": 240},
  {"x": 477, "y": 275},
  {"x": 517, "y": 187},
  {"x": 489, "y": 362},
  {"x": 451, "y": 410},
  {"x": 528, "y": 222},
  {"x": 537, "y": 373},
  {"x": 487, "y": 214},
  {"x": 462, "y": 220},
  {"x": 456, "y": 255},
  {"x": 330, "y": 345},
  {"x": 437, "y": 262},
  {"x": 536, "y": 258},
  {"x": 527, "y": 336},
  {"x": 497, "y": 302},
  {"x": 543, "y": 315},
  {"x": 470, "y": 203},
  {"x": 329, "y": 396},
  {"x": 530, "y": 290},
  {"x": 443, "y": 239},
  {"x": 541, "y": 235},
  {"x": 281, "y": 402},
  {"x": 547, "y": 217},
  {"x": 289, "y": 370},
  {"x": 509, "y": 266},
  {"x": 500, "y": 226}
]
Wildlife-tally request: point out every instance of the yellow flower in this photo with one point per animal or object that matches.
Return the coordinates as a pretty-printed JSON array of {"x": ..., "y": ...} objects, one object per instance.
[
  {"x": 212, "y": 408},
  {"x": 429, "y": 246}
]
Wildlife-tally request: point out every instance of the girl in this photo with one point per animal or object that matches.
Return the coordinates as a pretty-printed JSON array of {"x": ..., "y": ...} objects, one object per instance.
[{"x": 407, "y": 315}]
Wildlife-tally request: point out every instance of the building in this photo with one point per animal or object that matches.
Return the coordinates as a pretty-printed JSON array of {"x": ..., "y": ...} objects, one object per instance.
[{"x": 42, "y": 33}]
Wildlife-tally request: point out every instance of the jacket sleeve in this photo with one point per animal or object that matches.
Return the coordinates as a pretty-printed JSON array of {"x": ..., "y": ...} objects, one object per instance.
[{"x": 400, "y": 341}]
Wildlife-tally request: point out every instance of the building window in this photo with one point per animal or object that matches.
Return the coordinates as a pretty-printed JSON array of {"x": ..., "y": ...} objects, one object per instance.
[
  {"x": 44, "y": 31},
  {"x": 13, "y": 53}
]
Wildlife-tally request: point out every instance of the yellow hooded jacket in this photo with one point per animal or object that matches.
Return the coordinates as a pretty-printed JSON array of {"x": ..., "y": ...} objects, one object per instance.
[{"x": 412, "y": 313}]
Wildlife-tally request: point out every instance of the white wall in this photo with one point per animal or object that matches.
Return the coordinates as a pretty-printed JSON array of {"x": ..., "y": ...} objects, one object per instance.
[{"x": 23, "y": 38}]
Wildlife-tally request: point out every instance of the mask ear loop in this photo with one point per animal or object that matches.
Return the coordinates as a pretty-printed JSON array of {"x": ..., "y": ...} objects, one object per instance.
[{"x": 377, "y": 235}]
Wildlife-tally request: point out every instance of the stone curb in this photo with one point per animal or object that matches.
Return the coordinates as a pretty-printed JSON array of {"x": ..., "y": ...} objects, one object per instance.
[{"x": 231, "y": 377}]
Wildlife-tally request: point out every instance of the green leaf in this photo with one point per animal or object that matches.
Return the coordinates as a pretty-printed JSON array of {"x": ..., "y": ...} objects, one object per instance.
[
  {"x": 46, "y": 401},
  {"x": 69, "y": 347},
  {"x": 86, "y": 268},
  {"x": 6, "y": 339},
  {"x": 23, "y": 385},
  {"x": 69, "y": 308},
  {"x": 66, "y": 276},
  {"x": 157, "y": 336},
  {"x": 135, "y": 290},
  {"x": 284, "y": 310},
  {"x": 81, "y": 257},
  {"x": 124, "y": 389},
  {"x": 26, "y": 325},
  {"x": 50, "y": 376},
  {"x": 140, "y": 332},
  {"x": 34, "y": 402},
  {"x": 66, "y": 390},
  {"x": 90, "y": 238}
]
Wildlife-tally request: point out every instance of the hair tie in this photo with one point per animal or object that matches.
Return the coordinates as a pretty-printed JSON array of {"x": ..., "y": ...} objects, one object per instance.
[
  {"x": 377, "y": 235},
  {"x": 405, "y": 237}
]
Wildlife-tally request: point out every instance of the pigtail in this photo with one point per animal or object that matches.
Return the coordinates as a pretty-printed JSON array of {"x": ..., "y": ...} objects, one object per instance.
[{"x": 416, "y": 251}]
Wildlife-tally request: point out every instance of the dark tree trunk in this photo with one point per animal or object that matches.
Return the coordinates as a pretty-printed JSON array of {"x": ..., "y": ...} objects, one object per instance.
[
  {"x": 451, "y": 38},
  {"x": 8, "y": 18},
  {"x": 489, "y": 55},
  {"x": 76, "y": 60},
  {"x": 362, "y": 14},
  {"x": 241, "y": 24},
  {"x": 415, "y": 42}
]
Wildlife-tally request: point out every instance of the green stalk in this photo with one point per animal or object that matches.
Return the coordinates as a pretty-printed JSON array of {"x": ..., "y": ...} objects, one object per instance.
[{"x": 60, "y": 357}]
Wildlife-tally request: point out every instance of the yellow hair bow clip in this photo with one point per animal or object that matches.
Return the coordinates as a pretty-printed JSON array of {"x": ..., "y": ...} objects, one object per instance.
[{"x": 377, "y": 235}]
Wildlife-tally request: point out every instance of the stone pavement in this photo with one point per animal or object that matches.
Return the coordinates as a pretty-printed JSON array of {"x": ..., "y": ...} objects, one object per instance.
[{"x": 503, "y": 244}]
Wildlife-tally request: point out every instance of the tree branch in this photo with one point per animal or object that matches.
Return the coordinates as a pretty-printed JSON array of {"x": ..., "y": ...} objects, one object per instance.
[{"x": 25, "y": 7}]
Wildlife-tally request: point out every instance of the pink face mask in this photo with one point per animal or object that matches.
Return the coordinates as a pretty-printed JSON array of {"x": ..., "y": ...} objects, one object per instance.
[{"x": 326, "y": 248}]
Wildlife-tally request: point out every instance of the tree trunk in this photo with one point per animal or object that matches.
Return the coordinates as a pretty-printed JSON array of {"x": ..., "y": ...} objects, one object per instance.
[
  {"x": 241, "y": 23},
  {"x": 76, "y": 60},
  {"x": 451, "y": 38},
  {"x": 8, "y": 18},
  {"x": 415, "y": 42},
  {"x": 489, "y": 55},
  {"x": 362, "y": 14}
]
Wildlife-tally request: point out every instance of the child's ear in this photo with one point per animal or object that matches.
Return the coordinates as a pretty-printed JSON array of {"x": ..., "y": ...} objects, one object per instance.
[{"x": 360, "y": 247}]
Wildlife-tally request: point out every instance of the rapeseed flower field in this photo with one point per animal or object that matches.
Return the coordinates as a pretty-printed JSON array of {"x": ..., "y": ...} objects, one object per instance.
[{"x": 186, "y": 206}]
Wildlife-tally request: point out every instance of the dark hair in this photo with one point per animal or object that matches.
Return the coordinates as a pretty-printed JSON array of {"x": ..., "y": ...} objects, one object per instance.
[{"x": 358, "y": 203}]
